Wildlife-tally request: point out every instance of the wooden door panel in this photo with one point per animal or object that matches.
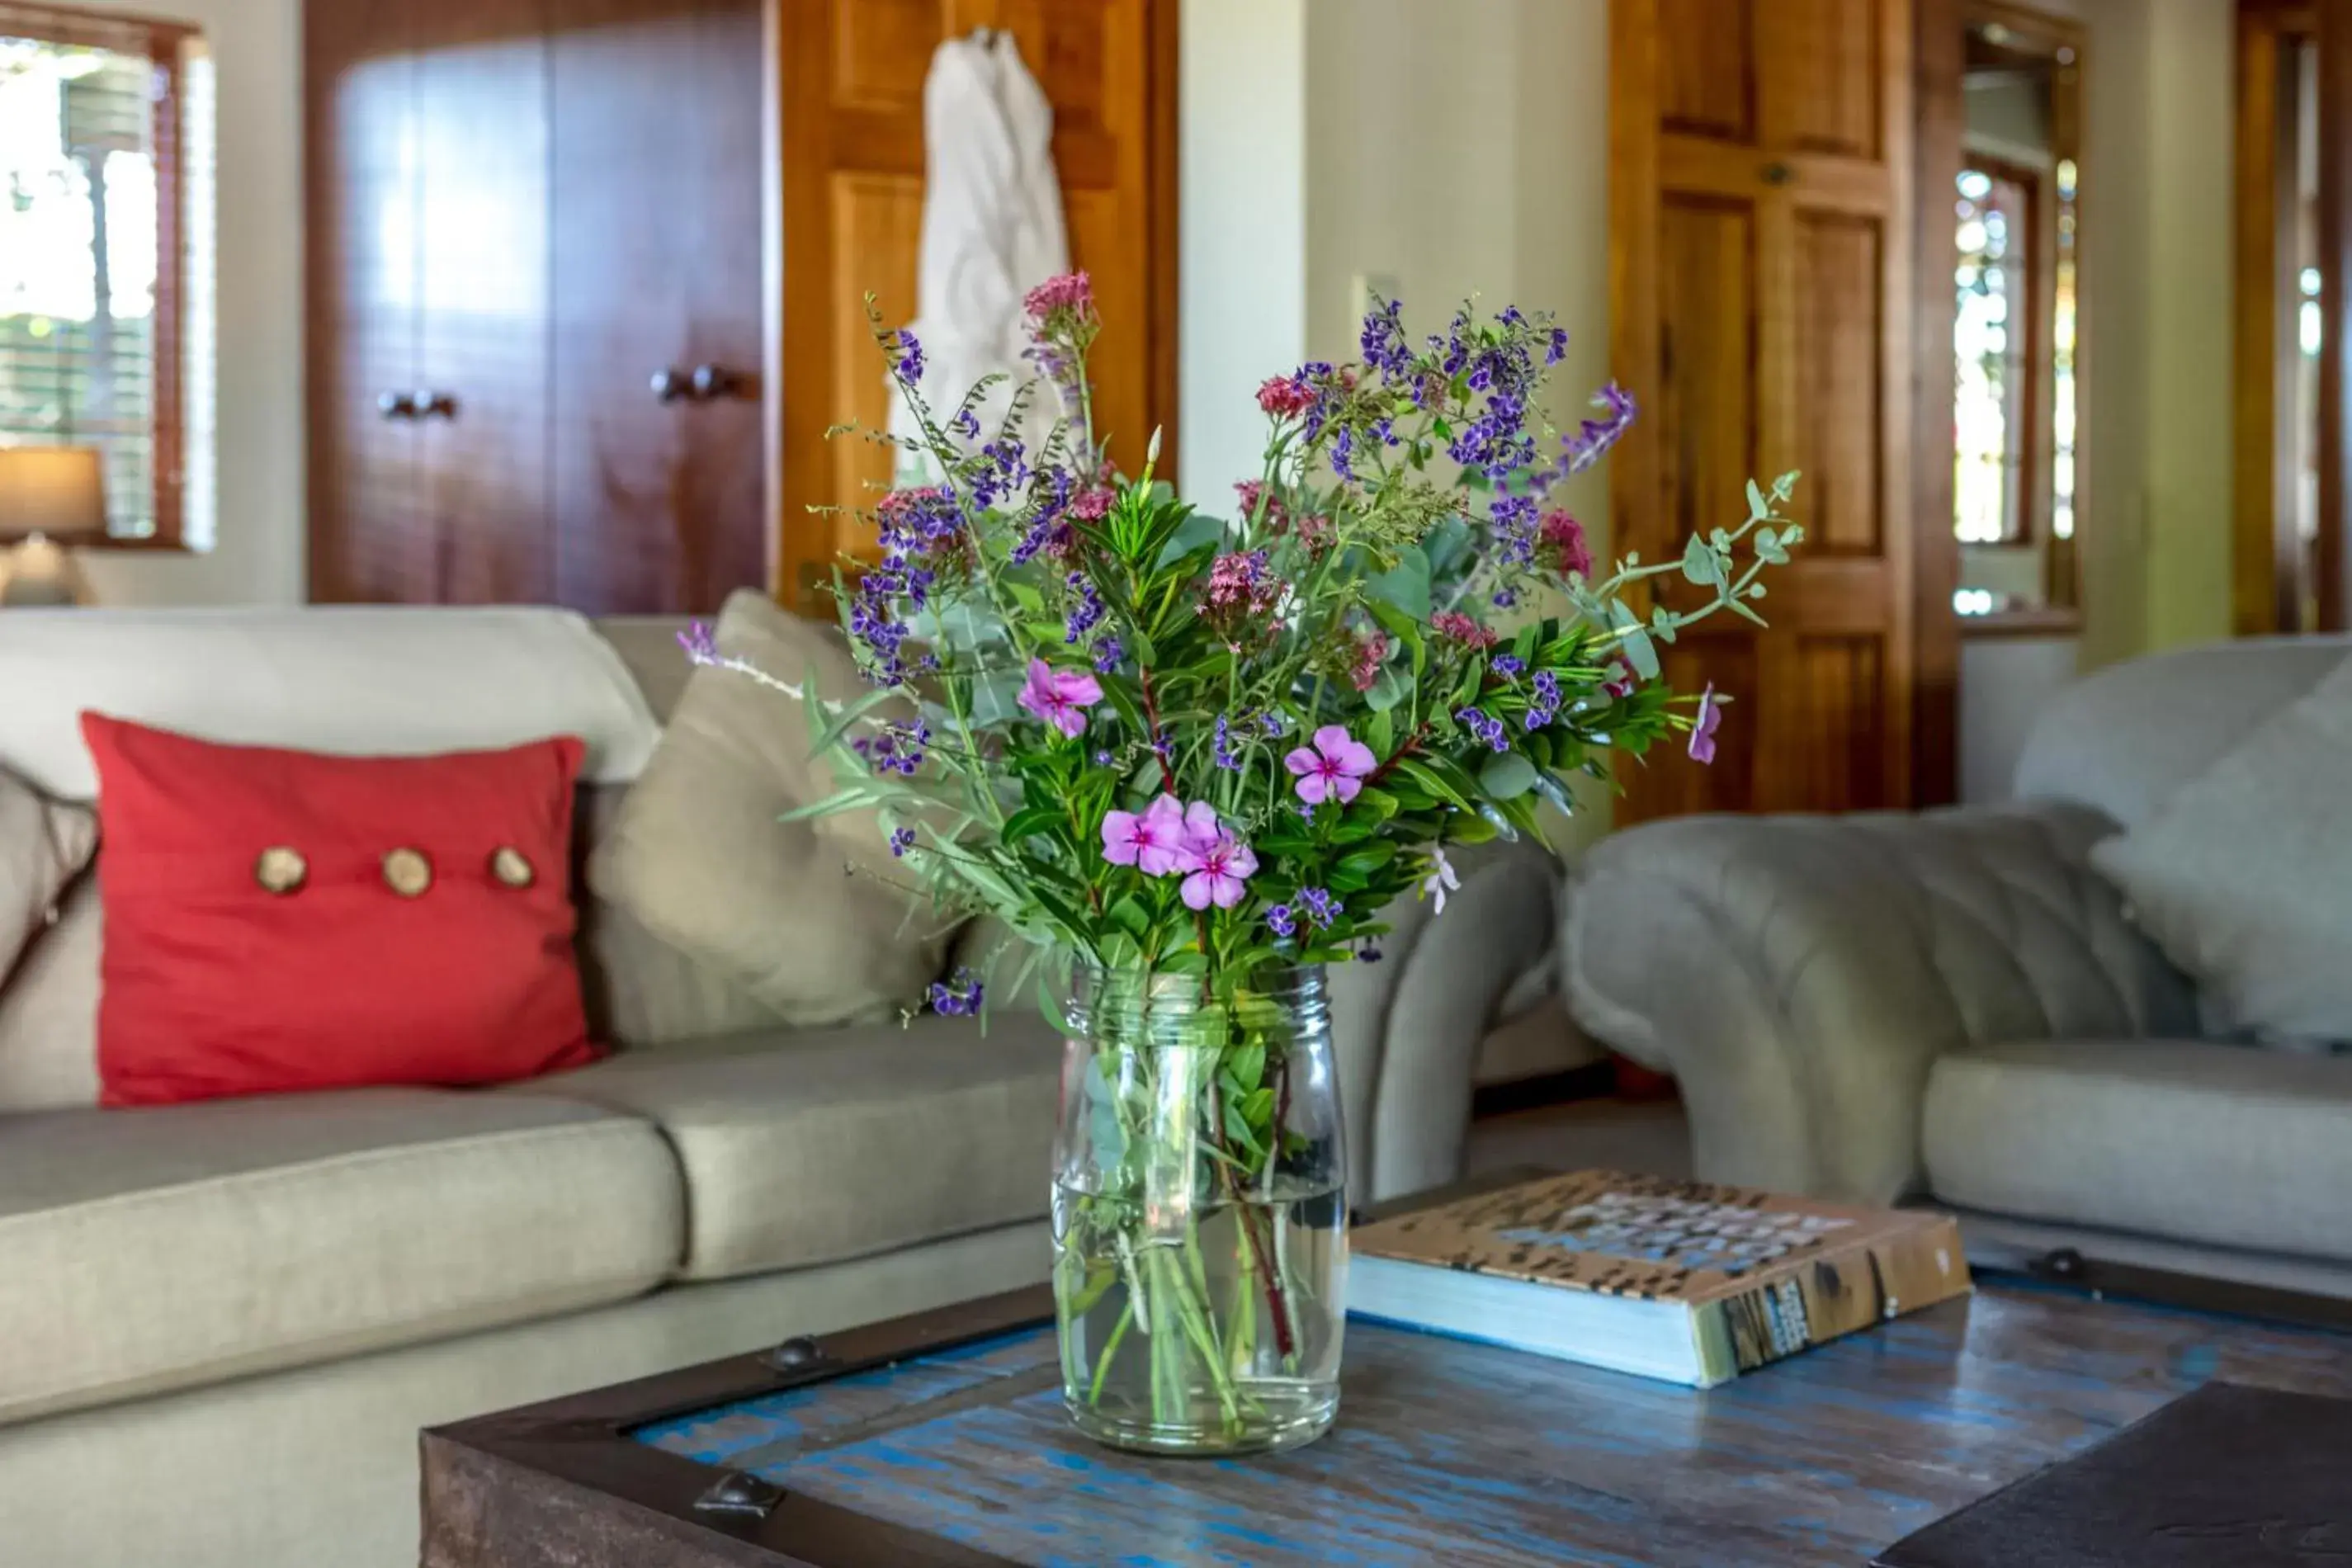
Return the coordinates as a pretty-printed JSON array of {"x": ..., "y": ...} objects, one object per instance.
[
  {"x": 1820, "y": 91},
  {"x": 1840, "y": 328},
  {"x": 657, "y": 506},
  {"x": 1760, "y": 194},
  {"x": 1706, "y": 391},
  {"x": 371, "y": 531},
  {"x": 1707, "y": 82},
  {"x": 483, "y": 152},
  {"x": 852, "y": 74}
]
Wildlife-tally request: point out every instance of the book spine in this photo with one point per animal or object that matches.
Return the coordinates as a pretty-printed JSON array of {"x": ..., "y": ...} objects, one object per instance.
[{"x": 1830, "y": 1296}]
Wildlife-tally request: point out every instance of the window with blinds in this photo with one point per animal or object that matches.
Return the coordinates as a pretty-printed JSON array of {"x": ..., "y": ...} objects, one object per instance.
[{"x": 106, "y": 257}]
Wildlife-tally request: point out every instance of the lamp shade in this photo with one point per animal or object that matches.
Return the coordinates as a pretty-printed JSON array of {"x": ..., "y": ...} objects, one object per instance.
[{"x": 59, "y": 491}]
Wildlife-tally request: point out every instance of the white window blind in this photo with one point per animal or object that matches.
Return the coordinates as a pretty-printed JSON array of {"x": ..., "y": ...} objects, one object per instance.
[{"x": 106, "y": 330}]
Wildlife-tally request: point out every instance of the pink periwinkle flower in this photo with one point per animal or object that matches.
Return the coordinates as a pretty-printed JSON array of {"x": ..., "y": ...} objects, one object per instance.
[
  {"x": 1710, "y": 719},
  {"x": 1217, "y": 863},
  {"x": 1334, "y": 769},
  {"x": 1059, "y": 697},
  {"x": 1286, "y": 397},
  {"x": 1152, "y": 841},
  {"x": 1563, "y": 537},
  {"x": 1070, "y": 291}
]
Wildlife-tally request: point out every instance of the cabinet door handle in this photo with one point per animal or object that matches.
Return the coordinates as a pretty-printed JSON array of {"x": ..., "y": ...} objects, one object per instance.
[
  {"x": 396, "y": 405},
  {"x": 671, "y": 384},
  {"x": 436, "y": 405},
  {"x": 712, "y": 382}
]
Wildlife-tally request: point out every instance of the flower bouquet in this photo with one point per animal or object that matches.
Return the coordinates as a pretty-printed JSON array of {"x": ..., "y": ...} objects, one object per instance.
[{"x": 1188, "y": 758}]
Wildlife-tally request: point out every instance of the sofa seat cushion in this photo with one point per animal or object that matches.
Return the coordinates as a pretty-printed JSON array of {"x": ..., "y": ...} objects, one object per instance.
[
  {"x": 2229, "y": 1145},
  {"x": 149, "y": 1249},
  {"x": 808, "y": 1147}
]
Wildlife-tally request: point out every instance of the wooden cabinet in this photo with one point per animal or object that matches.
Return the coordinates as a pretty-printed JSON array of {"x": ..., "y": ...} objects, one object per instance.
[
  {"x": 521, "y": 211},
  {"x": 1762, "y": 175}
]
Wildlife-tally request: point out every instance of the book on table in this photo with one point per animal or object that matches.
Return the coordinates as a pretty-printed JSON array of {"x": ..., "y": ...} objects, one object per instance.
[{"x": 1688, "y": 1282}]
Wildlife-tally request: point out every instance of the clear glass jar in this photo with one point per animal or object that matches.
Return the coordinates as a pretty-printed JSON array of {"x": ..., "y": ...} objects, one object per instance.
[{"x": 1200, "y": 1212}]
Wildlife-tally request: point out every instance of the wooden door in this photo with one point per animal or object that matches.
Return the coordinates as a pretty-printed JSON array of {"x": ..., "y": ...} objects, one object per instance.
[
  {"x": 852, "y": 74},
  {"x": 486, "y": 127},
  {"x": 360, "y": 330},
  {"x": 1761, "y": 278},
  {"x": 658, "y": 502}
]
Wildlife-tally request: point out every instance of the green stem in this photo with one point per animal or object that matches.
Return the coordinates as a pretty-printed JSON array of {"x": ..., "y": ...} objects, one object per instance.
[{"x": 1109, "y": 1353}]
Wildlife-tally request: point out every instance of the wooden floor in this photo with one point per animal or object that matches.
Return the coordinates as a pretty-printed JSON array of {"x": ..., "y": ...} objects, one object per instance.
[{"x": 1458, "y": 1454}]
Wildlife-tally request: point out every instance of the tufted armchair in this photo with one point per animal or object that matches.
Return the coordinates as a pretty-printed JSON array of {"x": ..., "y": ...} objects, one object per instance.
[{"x": 1953, "y": 1006}]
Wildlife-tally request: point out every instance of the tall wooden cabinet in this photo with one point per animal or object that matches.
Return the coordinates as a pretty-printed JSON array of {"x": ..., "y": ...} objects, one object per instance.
[{"x": 534, "y": 316}]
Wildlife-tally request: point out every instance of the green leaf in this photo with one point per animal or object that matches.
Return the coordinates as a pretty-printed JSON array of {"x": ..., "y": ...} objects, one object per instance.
[
  {"x": 1380, "y": 729},
  {"x": 1370, "y": 858},
  {"x": 1437, "y": 784},
  {"x": 1758, "y": 509},
  {"x": 1699, "y": 563},
  {"x": 1387, "y": 692},
  {"x": 1508, "y": 776},
  {"x": 1641, "y": 652},
  {"x": 1405, "y": 586},
  {"x": 1379, "y": 802},
  {"x": 1037, "y": 820},
  {"x": 1192, "y": 533}
]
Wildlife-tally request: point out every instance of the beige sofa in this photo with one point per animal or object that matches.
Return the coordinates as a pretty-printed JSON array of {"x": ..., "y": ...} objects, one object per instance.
[
  {"x": 222, "y": 1324},
  {"x": 1955, "y": 1008}
]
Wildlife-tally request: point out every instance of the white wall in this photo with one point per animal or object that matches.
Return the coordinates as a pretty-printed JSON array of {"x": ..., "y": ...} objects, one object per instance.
[{"x": 257, "y": 51}]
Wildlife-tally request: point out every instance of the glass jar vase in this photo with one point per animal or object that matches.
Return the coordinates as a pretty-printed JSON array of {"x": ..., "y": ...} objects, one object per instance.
[{"x": 1200, "y": 1212}]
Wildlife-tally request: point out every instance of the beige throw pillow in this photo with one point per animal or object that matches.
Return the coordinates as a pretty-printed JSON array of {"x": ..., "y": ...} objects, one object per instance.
[
  {"x": 814, "y": 919},
  {"x": 43, "y": 845},
  {"x": 2245, "y": 876}
]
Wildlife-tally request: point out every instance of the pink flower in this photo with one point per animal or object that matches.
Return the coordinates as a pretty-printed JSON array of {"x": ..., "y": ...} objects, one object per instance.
[
  {"x": 1710, "y": 718},
  {"x": 1334, "y": 770},
  {"x": 1369, "y": 655},
  {"x": 1564, "y": 537},
  {"x": 1621, "y": 681},
  {"x": 1153, "y": 843},
  {"x": 1286, "y": 397},
  {"x": 1059, "y": 697},
  {"x": 1092, "y": 505},
  {"x": 1070, "y": 291},
  {"x": 1462, "y": 629},
  {"x": 1218, "y": 863}
]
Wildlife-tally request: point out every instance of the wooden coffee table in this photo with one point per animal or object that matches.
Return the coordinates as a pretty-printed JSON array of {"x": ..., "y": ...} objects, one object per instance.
[{"x": 939, "y": 1439}]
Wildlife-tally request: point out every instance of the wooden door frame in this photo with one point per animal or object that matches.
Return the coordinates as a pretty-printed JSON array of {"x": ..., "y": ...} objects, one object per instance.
[{"x": 793, "y": 100}]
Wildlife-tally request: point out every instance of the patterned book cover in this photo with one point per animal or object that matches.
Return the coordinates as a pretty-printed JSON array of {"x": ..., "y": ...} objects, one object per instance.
[{"x": 1764, "y": 1276}]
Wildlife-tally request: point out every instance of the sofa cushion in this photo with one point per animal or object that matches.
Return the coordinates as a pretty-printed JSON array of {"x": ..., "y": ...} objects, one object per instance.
[
  {"x": 814, "y": 919},
  {"x": 43, "y": 845},
  {"x": 2240, "y": 875},
  {"x": 2190, "y": 1140},
  {"x": 812, "y": 1146},
  {"x": 151, "y": 1249},
  {"x": 355, "y": 681},
  {"x": 48, "y": 1010}
]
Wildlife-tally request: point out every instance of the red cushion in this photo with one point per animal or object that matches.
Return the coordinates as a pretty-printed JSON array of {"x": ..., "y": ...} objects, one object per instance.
[{"x": 215, "y": 984}]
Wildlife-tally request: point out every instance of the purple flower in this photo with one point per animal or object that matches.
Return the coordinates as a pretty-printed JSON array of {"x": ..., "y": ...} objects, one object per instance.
[
  {"x": 1703, "y": 728},
  {"x": 1441, "y": 881},
  {"x": 1059, "y": 697},
  {"x": 959, "y": 995},
  {"x": 1546, "y": 706},
  {"x": 895, "y": 748},
  {"x": 901, "y": 840},
  {"x": 1217, "y": 863},
  {"x": 1595, "y": 436},
  {"x": 1321, "y": 908},
  {"x": 1281, "y": 921},
  {"x": 965, "y": 423},
  {"x": 1107, "y": 653},
  {"x": 1334, "y": 770},
  {"x": 1086, "y": 608},
  {"x": 701, "y": 643},
  {"x": 1507, "y": 664},
  {"x": 1487, "y": 728},
  {"x": 907, "y": 355},
  {"x": 1384, "y": 342},
  {"x": 1223, "y": 751},
  {"x": 1153, "y": 842}
]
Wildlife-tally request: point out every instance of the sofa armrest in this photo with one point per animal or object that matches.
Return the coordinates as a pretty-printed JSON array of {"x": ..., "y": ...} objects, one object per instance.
[
  {"x": 1407, "y": 1029},
  {"x": 1799, "y": 976}
]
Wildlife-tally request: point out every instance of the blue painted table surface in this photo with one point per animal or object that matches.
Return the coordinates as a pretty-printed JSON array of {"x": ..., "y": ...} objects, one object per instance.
[{"x": 1448, "y": 1452}]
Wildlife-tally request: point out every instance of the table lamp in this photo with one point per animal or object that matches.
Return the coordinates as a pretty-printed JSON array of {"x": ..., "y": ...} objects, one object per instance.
[{"x": 50, "y": 497}]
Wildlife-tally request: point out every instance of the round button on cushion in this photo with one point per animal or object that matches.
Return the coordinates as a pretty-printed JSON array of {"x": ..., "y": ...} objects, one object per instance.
[
  {"x": 512, "y": 866},
  {"x": 407, "y": 872},
  {"x": 280, "y": 870}
]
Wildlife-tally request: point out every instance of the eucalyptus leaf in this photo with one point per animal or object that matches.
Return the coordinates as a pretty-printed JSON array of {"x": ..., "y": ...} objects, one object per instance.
[
  {"x": 1405, "y": 586},
  {"x": 1506, "y": 775},
  {"x": 1387, "y": 692}
]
